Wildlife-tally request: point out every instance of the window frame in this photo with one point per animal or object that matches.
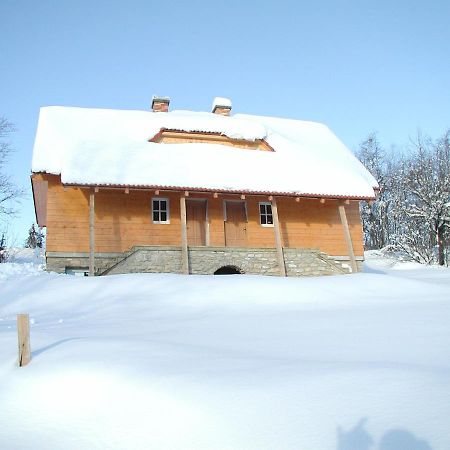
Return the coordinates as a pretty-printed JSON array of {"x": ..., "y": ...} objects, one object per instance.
[
  {"x": 159, "y": 199},
  {"x": 269, "y": 225}
]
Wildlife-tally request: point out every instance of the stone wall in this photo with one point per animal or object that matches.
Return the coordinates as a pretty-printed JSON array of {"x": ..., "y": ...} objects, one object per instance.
[
  {"x": 204, "y": 260},
  {"x": 59, "y": 261}
]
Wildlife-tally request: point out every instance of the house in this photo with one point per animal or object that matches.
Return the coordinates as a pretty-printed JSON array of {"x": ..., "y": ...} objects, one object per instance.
[{"x": 196, "y": 192}]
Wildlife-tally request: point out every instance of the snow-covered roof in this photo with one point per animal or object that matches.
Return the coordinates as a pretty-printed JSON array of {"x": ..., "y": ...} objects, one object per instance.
[{"x": 111, "y": 147}]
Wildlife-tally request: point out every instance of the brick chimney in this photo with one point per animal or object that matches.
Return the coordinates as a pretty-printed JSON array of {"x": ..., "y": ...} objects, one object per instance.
[
  {"x": 221, "y": 106},
  {"x": 160, "y": 104}
]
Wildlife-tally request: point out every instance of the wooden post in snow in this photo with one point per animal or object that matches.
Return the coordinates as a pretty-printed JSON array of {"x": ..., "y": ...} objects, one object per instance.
[
  {"x": 276, "y": 226},
  {"x": 184, "y": 246},
  {"x": 23, "y": 335},
  {"x": 91, "y": 233},
  {"x": 348, "y": 238}
]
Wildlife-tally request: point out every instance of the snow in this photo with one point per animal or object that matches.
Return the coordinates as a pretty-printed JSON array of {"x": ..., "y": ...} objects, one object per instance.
[
  {"x": 164, "y": 361},
  {"x": 221, "y": 101},
  {"x": 22, "y": 262},
  {"x": 108, "y": 147}
]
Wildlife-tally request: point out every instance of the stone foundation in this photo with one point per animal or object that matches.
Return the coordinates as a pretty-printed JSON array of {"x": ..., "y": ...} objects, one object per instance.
[{"x": 204, "y": 260}]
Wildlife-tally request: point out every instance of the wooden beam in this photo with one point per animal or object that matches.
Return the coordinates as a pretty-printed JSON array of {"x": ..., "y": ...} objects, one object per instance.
[
  {"x": 127, "y": 190},
  {"x": 23, "y": 335},
  {"x": 276, "y": 227},
  {"x": 97, "y": 189},
  {"x": 186, "y": 193},
  {"x": 270, "y": 198},
  {"x": 348, "y": 238},
  {"x": 91, "y": 233},
  {"x": 184, "y": 246},
  {"x": 156, "y": 192},
  {"x": 347, "y": 202},
  {"x": 297, "y": 199},
  {"x": 242, "y": 197},
  {"x": 216, "y": 195},
  {"x": 322, "y": 200}
]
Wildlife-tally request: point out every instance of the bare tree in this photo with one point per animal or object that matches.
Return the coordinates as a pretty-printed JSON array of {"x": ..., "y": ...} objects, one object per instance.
[
  {"x": 9, "y": 192},
  {"x": 375, "y": 214},
  {"x": 412, "y": 211},
  {"x": 427, "y": 183}
]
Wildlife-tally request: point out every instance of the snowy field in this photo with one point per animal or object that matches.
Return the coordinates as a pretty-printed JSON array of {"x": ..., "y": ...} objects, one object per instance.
[{"x": 146, "y": 361}]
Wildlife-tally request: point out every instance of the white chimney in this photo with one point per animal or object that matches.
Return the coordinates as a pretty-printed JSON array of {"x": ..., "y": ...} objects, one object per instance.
[{"x": 221, "y": 106}]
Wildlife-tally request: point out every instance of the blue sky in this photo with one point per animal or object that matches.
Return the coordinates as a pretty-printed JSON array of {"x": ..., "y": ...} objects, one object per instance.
[{"x": 357, "y": 66}]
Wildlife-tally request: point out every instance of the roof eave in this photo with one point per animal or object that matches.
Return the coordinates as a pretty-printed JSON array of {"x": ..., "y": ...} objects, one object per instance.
[{"x": 222, "y": 191}]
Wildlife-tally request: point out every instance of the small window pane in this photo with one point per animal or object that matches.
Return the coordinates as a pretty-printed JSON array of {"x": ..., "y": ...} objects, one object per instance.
[
  {"x": 269, "y": 209},
  {"x": 160, "y": 210},
  {"x": 269, "y": 220},
  {"x": 262, "y": 209},
  {"x": 263, "y": 220}
]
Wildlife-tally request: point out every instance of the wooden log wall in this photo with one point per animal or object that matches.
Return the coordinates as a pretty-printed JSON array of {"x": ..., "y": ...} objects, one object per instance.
[{"x": 123, "y": 220}]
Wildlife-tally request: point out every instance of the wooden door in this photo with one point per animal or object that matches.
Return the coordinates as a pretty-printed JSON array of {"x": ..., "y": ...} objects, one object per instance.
[
  {"x": 196, "y": 222},
  {"x": 235, "y": 224}
]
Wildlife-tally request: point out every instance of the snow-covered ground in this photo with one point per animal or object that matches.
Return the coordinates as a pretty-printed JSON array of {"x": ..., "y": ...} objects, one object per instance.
[{"x": 151, "y": 361}]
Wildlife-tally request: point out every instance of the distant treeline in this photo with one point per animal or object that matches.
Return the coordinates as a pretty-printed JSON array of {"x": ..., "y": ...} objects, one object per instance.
[{"x": 412, "y": 212}]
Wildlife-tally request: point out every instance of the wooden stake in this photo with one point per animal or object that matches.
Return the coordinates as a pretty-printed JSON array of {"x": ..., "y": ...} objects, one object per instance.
[
  {"x": 348, "y": 238},
  {"x": 23, "y": 334},
  {"x": 184, "y": 246},
  {"x": 91, "y": 233},
  {"x": 276, "y": 226}
]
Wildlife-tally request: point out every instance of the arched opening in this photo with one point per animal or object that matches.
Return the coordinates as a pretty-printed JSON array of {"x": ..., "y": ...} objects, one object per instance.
[{"x": 228, "y": 270}]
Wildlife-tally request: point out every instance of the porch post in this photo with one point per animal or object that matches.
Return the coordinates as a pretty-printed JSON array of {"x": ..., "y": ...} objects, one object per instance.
[
  {"x": 348, "y": 238},
  {"x": 91, "y": 233},
  {"x": 276, "y": 226},
  {"x": 184, "y": 246}
]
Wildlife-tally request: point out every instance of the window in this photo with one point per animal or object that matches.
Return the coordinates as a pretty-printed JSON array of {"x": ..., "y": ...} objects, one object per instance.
[
  {"x": 265, "y": 214},
  {"x": 160, "y": 210}
]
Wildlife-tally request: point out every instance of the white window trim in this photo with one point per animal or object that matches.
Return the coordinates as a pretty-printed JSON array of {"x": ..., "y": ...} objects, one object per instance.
[
  {"x": 168, "y": 211},
  {"x": 267, "y": 225}
]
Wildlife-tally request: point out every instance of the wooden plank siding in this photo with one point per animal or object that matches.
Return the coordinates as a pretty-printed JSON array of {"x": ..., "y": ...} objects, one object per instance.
[
  {"x": 180, "y": 137},
  {"x": 124, "y": 220}
]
